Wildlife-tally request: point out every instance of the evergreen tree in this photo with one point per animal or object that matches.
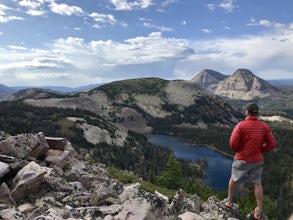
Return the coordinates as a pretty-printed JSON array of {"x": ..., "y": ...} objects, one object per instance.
[{"x": 172, "y": 175}]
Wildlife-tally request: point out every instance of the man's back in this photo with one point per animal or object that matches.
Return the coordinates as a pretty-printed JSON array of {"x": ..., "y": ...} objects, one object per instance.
[{"x": 250, "y": 138}]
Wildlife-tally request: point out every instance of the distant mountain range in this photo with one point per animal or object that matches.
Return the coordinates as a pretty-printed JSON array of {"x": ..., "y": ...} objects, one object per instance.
[
  {"x": 206, "y": 78},
  {"x": 64, "y": 89}
]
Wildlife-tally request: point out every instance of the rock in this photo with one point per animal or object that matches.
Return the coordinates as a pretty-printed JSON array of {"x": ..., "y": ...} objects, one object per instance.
[
  {"x": 4, "y": 168},
  {"x": 104, "y": 196},
  {"x": 190, "y": 216},
  {"x": 7, "y": 149},
  {"x": 26, "y": 208},
  {"x": 5, "y": 196},
  {"x": 135, "y": 209},
  {"x": 29, "y": 145},
  {"x": 28, "y": 180},
  {"x": 213, "y": 208},
  {"x": 57, "y": 158},
  {"x": 9, "y": 214}
]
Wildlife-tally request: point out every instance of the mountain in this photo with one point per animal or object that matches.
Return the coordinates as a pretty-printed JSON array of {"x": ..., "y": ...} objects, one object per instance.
[
  {"x": 32, "y": 93},
  {"x": 281, "y": 82},
  {"x": 141, "y": 104},
  {"x": 5, "y": 89},
  {"x": 9, "y": 90},
  {"x": 208, "y": 79},
  {"x": 243, "y": 84}
]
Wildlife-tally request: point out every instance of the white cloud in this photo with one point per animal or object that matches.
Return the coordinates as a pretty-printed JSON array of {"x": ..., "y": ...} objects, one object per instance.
[
  {"x": 207, "y": 31},
  {"x": 35, "y": 12},
  {"x": 160, "y": 28},
  {"x": 227, "y": 5},
  {"x": 265, "y": 23},
  {"x": 65, "y": 9},
  {"x": 4, "y": 18},
  {"x": 30, "y": 4},
  {"x": 75, "y": 62},
  {"x": 103, "y": 18},
  {"x": 16, "y": 47},
  {"x": 131, "y": 5}
]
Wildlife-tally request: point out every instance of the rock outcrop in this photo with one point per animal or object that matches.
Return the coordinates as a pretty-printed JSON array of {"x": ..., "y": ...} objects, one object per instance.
[{"x": 45, "y": 178}]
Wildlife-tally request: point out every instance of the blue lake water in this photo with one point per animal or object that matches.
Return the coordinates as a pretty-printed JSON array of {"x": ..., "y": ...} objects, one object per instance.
[{"x": 219, "y": 165}]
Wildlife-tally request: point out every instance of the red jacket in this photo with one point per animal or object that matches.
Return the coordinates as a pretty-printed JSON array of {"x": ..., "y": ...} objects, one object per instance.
[{"x": 250, "y": 138}]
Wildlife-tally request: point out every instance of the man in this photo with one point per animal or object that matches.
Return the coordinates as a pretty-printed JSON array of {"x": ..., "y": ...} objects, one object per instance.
[{"x": 249, "y": 139}]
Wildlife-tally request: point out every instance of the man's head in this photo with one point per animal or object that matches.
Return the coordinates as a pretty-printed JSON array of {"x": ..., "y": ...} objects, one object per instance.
[{"x": 252, "y": 108}]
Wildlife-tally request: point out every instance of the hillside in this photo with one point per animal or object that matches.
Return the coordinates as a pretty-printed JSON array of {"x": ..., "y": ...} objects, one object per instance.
[{"x": 137, "y": 104}]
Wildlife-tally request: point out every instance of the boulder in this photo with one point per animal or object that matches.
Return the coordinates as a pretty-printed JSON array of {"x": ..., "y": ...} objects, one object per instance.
[
  {"x": 4, "y": 168},
  {"x": 7, "y": 149},
  {"x": 5, "y": 195},
  {"x": 28, "y": 180},
  {"x": 190, "y": 216}
]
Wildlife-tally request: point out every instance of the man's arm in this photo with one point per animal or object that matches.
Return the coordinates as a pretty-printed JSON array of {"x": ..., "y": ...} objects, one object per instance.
[
  {"x": 270, "y": 141},
  {"x": 235, "y": 138}
]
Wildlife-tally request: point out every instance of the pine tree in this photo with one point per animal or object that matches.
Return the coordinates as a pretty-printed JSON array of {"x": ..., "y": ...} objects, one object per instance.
[{"x": 172, "y": 175}]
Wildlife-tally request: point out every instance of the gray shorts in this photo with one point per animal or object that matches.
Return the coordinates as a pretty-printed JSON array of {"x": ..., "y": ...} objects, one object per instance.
[{"x": 242, "y": 169}]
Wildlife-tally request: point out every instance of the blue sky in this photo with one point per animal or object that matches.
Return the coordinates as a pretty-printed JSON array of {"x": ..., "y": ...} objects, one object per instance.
[{"x": 80, "y": 42}]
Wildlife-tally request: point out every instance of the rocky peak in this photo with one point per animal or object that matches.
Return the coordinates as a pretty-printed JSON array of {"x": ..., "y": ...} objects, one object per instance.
[
  {"x": 208, "y": 79},
  {"x": 243, "y": 84},
  {"x": 45, "y": 178}
]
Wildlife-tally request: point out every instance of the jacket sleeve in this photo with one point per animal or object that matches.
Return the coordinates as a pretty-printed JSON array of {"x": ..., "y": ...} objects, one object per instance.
[
  {"x": 269, "y": 142},
  {"x": 235, "y": 138}
]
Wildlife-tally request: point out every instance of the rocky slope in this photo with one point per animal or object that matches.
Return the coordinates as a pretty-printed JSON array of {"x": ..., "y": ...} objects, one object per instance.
[{"x": 45, "y": 178}]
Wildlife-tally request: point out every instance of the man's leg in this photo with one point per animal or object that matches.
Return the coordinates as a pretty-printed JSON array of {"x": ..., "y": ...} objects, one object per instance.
[
  {"x": 231, "y": 190},
  {"x": 258, "y": 192}
]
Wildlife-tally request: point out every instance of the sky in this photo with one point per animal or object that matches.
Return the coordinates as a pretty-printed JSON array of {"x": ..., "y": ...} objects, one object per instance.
[{"x": 80, "y": 42}]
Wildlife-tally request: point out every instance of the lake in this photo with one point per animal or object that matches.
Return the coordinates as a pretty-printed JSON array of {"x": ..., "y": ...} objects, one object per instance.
[{"x": 219, "y": 166}]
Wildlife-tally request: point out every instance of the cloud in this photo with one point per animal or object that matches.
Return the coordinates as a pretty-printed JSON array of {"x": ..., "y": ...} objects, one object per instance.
[
  {"x": 160, "y": 28},
  {"x": 16, "y": 47},
  {"x": 228, "y": 54},
  {"x": 65, "y": 9},
  {"x": 36, "y": 7},
  {"x": 227, "y": 5},
  {"x": 168, "y": 2},
  {"x": 265, "y": 23},
  {"x": 207, "y": 31},
  {"x": 131, "y": 5},
  {"x": 4, "y": 18},
  {"x": 103, "y": 18},
  {"x": 73, "y": 61}
]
